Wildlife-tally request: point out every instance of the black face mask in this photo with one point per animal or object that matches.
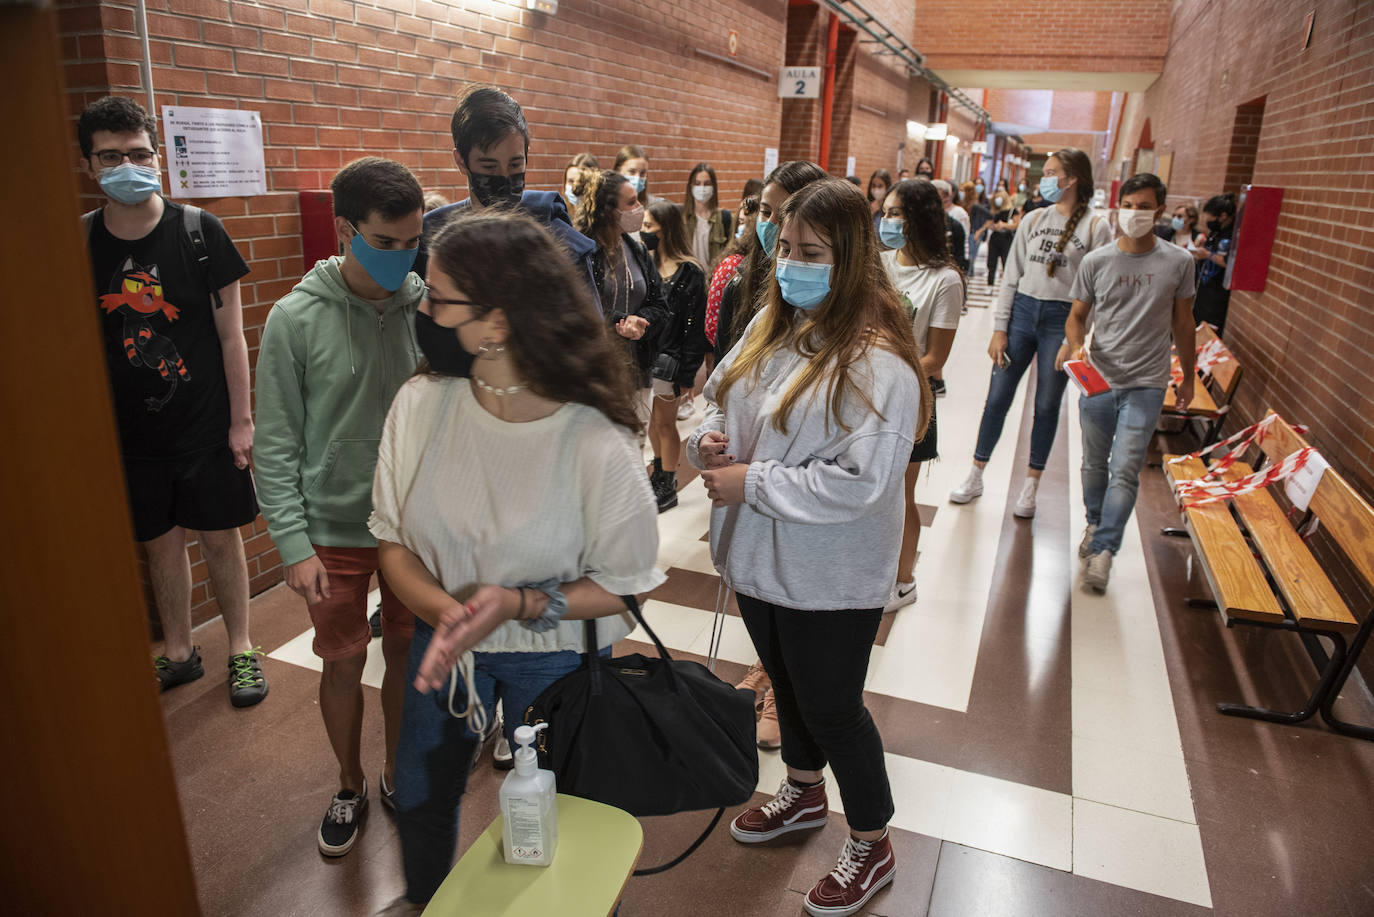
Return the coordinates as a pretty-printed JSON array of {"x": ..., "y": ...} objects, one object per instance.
[
  {"x": 650, "y": 239},
  {"x": 1214, "y": 225},
  {"x": 441, "y": 347},
  {"x": 497, "y": 189}
]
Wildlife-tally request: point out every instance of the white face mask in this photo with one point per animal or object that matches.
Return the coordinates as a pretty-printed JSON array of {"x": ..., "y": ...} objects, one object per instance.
[
  {"x": 1136, "y": 223},
  {"x": 632, "y": 220},
  {"x": 702, "y": 193}
]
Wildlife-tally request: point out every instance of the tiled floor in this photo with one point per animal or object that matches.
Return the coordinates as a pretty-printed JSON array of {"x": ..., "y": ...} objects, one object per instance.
[{"x": 1051, "y": 752}]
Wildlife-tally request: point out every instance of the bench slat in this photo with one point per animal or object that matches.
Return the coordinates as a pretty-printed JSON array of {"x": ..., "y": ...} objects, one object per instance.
[
  {"x": 1225, "y": 374},
  {"x": 1202, "y": 405},
  {"x": 1307, "y": 589},
  {"x": 1237, "y": 581}
]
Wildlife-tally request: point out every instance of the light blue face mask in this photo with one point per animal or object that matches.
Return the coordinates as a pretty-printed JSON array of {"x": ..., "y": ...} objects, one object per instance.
[
  {"x": 803, "y": 284},
  {"x": 130, "y": 184},
  {"x": 1177, "y": 223},
  {"x": 568, "y": 193},
  {"x": 387, "y": 266},
  {"x": 1049, "y": 189},
  {"x": 768, "y": 236},
  {"x": 739, "y": 231},
  {"x": 637, "y": 182},
  {"x": 891, "y": 233}
]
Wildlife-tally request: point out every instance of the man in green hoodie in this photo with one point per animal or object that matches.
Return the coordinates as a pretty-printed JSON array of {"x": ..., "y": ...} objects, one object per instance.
[{"x": 334, "y": 352}]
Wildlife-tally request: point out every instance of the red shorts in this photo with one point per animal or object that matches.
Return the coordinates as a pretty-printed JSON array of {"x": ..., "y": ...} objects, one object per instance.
[{"x": 341, "y": 629}]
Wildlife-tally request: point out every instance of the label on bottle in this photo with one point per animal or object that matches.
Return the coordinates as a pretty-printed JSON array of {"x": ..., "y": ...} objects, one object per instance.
[{"x": 526, "y": 821}]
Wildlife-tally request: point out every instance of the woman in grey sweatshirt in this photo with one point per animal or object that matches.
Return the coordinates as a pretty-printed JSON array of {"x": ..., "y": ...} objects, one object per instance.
[{"x": 810, "y": 423}]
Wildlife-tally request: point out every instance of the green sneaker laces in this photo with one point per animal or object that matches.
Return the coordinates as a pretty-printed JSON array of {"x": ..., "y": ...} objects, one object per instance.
[{"x": 246, "y": 669}]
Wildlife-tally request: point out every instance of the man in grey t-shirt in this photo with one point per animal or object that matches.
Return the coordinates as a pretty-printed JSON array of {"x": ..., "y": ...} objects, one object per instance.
[{"x": 1138, "y": 296}]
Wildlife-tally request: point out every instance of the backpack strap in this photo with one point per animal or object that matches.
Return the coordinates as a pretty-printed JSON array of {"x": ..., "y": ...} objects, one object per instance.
[
  {"x": 191, "y": 223},
  {"x": 88, "y": 222},
  {"x": 725, "y": 217}
]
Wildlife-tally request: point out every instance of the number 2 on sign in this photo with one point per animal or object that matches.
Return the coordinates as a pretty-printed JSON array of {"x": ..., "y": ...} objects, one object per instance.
[{"x": 801, "y": 87}]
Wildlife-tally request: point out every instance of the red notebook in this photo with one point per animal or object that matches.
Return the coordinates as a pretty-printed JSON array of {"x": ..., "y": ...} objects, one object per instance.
[{"x": 1088, "y": 379}]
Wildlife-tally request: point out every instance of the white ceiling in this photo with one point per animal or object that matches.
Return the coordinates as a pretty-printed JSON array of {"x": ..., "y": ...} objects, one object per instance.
[{"x": 1049, "y": 79}]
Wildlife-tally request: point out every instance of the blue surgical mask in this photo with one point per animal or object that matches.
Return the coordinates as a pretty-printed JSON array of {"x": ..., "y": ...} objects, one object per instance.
[
  {"x": 130, "y": 184},
  {"x": 1177, "y": 223},
  {"x": 803, "y": 284},
  {"x": 768, "y": 236},
  {"x": 637, "y": 182},
  {"x": 979, "y": 188},
  {"x": 387, "y": 266},
  {"x": 891, "y": 232},
  {"x": 568, "y": 193},
  {"x": 1049, "y": 189},
  {"x": 739, "y": 231}
]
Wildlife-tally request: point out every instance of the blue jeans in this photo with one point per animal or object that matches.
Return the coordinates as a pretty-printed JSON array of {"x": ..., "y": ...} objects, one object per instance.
[
  {"x": 436, "y": 749},
  {"x": 1117, "y": 426},
  {"x": 973, "y": 245},
  {"x": 1035, "y": 333}
]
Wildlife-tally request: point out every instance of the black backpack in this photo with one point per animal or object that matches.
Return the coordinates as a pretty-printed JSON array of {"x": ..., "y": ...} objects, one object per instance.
[{"x": 192, "y": 218}]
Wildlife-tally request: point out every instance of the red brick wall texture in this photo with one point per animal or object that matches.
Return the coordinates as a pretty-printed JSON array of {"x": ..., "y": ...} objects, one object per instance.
[{"x": 335, "y": 79}]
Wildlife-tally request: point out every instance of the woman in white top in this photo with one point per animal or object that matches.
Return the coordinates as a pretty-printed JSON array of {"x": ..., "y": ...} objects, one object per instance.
[
  {"x": 508, "y": 506},
  {"x": 921, "y": 267},
  {"x": 820, "y": 402},
  {"x": 708, "y": 226},
  {"x": 1028, "y": 320}
]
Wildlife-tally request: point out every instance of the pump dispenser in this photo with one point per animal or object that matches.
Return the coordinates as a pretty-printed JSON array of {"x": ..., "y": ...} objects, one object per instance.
[{"x": 529, "y": 804}]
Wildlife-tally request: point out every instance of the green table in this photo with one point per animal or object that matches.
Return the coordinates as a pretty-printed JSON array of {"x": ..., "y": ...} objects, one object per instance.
[{"x": 598, "y": 847}]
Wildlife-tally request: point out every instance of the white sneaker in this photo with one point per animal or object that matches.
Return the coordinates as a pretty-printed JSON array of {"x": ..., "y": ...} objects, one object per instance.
[
  {"x": 501, "y": 757},
  {"x": 970, "y": 489},
  {"x": 902, "y": 595},
  {"x": 685, "y": 410},
  {"x": 1085, "y": 547},
  {"x": 1025, "y": 504},
  {"x": 1098, "y": 571}
]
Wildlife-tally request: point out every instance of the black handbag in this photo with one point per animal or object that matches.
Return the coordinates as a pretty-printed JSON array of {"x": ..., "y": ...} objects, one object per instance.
[{"x": 652, "y": 736}]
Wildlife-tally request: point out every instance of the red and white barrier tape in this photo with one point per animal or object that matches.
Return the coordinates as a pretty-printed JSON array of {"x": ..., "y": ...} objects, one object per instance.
[{"x": 1206, "y": 490}]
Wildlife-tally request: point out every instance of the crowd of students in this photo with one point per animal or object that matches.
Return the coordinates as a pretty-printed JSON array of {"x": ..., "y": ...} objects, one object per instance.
[{"x": 457, "y": 404}]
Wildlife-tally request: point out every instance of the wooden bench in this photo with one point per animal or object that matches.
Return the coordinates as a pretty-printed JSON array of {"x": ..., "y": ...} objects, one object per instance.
[
  {"x": 1213, "y": 390},
  {"x": 1262, "y": 573}
]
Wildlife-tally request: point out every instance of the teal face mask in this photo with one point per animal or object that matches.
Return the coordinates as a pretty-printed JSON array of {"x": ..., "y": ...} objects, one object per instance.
[
  {"x": 637, "y": 182},
  {"x": 768, "y": 236},
  {"x": 130, "y": 184},
  {"x": 1177, "y": 224},
  {"x": 803, "y": 284},
  {"x": 1049, "y": 189},
  {"x": 387, "y": 266},
  {"x": 891, "y": 233}
]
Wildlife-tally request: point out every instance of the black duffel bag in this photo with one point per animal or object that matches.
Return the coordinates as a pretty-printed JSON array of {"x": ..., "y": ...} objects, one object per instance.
[{"x": 652, "y": 736}]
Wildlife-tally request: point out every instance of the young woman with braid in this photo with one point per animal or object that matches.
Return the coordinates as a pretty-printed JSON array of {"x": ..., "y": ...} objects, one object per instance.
[{"x": 1031, "y": 310}]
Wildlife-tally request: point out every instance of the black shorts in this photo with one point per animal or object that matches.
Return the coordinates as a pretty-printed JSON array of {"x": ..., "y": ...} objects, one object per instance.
[
  {"x": 203, "y": 492},
  {"x": 924, "y": 450}
]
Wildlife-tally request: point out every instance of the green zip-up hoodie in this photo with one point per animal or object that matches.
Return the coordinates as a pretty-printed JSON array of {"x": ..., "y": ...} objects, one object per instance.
[{"x": 328, "y": 366}]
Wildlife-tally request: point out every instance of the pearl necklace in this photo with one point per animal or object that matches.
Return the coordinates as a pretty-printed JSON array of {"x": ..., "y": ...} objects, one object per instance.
[{"x": 497, "y": 390}]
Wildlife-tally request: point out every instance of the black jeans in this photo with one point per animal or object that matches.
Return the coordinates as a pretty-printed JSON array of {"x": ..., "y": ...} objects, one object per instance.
[
  {"x": 818, "y": 661},
  {"x": 999, "y": 245}
]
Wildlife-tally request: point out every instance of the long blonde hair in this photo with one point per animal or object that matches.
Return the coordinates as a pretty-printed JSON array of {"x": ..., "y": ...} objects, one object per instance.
[{"x": 861, "y": 311}]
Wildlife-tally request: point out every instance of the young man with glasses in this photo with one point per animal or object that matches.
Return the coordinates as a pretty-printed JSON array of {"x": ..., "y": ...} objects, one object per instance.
[
  {"x": 334, "y": 352},
  {"x": 167, "y": 289}
]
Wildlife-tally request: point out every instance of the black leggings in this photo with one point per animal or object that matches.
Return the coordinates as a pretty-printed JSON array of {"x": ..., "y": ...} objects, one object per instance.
[
  {"x": 818, "y": 661},
  {"x": 999, "y": 244}
]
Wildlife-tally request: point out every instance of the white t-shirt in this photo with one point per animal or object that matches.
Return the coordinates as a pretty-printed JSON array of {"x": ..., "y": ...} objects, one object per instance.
[
  {"x": 701, "y": 241},
  {"x": 480, "y": 500},
  {"x": 934, "y": 297},
  {"x": 961, "y": 217}
]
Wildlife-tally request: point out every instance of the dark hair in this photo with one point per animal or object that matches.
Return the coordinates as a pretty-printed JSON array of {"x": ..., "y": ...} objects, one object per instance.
[
  {"x": 375, "y": 185},
  {"x": 115, "y": 114},
  {"x": 688, "y": 201},
  {"x": 752, "y": 188},
  {"x": 757, "y": 267},
  {"x": 924, "y": 223},
  {"x": 1139, "y": 182},
  {"x": 633, "y": 151},
  {"x": 854, "y": 180},
  {"x": 672, "y": 232},
  {"x": 739, "y": 245},
  {"x": 924, "y": 160},
  {"x": 1079, "y": 167},
  {"x": 862, "y": 311},
  {"x": 484, "y": 117},
  {"x": 1221, "y": 205},
  {"x": 881, "y": 175},
  {"x": 510, "y": 261},
  {"x": 595, "y": 217}
]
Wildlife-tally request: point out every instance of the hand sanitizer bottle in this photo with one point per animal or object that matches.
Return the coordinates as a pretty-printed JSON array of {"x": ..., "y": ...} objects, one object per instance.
[{"x": 529, "y": 804}]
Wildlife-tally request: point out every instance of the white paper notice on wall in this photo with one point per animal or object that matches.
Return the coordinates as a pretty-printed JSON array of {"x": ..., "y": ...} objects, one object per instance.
[
  {"x": 213, "y": 152},
  {"x": 850, "y": 165},
  {"x": 770, "y": 160},
  {"x": 1302, "y": 484}
]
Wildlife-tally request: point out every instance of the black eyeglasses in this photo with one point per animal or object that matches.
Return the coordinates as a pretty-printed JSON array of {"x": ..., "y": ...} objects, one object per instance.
[
  {"x": 429, "y": 295},
  {"x": 112, "y": 158}
]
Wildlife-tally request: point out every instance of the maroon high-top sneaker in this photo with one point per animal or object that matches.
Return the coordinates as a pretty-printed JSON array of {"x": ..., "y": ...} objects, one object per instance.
[
  {"x": 864, "y": 867},
  {"x": 795, "y": 808}
]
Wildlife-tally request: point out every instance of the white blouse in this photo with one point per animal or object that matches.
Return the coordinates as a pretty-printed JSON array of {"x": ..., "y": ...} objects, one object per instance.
[{"x": 483, "y": 501}]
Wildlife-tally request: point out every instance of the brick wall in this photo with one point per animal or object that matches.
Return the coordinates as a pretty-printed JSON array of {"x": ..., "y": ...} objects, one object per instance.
[
  {"x": 801, "y": 118},
  {"x": 1306, "y": 340},
  {"x": 1240, "y": 161}
]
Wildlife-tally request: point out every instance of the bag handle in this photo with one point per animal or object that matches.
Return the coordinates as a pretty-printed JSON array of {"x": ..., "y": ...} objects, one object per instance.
[
  {"x": 594, "y": 657},
  {"x": 655, "y": 870}
]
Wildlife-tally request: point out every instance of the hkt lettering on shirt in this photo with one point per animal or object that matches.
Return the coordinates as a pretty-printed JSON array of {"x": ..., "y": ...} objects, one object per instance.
[
  {"x": 137, "y": 299},
  {"x": 1135, "y": 280}
]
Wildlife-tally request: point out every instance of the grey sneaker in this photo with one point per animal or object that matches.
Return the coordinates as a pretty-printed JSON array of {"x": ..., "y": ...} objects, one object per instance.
[
  {"x": 1025, "y": 503},
  {"x": 1098, "y": 571},
  {"x": 971, "y": 489},
  {"x": 339, "y": 829},
  {"x": 170, "y": 674},
  {"x": 1085, "y": 547}
]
